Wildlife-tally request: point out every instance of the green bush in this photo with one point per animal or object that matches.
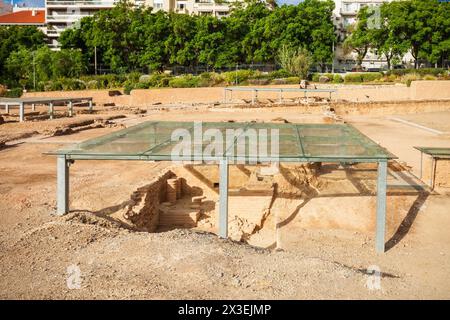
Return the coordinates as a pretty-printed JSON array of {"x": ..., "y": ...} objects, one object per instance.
[
  {"x": 279, "y": 74},
  {"x": 13, "y": 93},
  {"x": 188, "y": 81},
  {"x": 353, "y": 78},
  {"x": 293, "y": 80},
  {"x": 128, "y": 86},
  {"x": 363, "y": 77},
  {"x": 158, "y": 80},
  {"x": 338, "y": 78},
  {"x": 371, "y": 76},
  {"x": 236, "y": 77},
  {"x": 429, "y": 77},
  {"x": 315, "y": 77},
  {"x": 423, "y": 71},
  {"x": 408, "y": 78}
]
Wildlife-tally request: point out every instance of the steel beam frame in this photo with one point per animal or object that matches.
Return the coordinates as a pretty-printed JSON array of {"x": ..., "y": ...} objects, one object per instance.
[
  {"x": 62, "y": 187},
  {"x": 223, "y": 199},
  {"x": 381, "y": 207}
]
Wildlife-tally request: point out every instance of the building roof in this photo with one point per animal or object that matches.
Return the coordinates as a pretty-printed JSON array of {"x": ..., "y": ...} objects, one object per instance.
[{"x": 23, "y": 17}]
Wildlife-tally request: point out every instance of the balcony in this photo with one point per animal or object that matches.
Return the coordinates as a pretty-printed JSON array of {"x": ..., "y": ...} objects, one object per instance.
[
  {"x": 81, "y": 4},
  {"x": 348, "y": 12},
  {"x": 65, "y": 17}
]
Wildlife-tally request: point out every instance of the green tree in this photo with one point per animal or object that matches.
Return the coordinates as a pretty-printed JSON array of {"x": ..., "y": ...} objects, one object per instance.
[
  {"x": 360, "y": 38},
  {"x": 385, "y": 39},
  {"x": 296, "y": 61},
  {"x": 14, "y": 38}
]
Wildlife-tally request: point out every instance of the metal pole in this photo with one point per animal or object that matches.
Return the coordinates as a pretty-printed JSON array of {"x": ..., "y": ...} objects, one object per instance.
[
  {"x": 381, "y": 206},
  {"x": 90, "y": 106},
  {"x": 421, "y": 164},
  {"x": 21, "y": 112},
  {"x": 70, "y": 108},
  {"x": 95, "y": 59},
  {"x": 62, "y": 186},
  {"x": 33, "y": 107},
  {"x": 51, "y": 110},
  {"x": 7, "y": 108},
  {"x": 433, "y": 172},
  {"x": 223, "y": 199},
  {"x": 34, "y": 72}
]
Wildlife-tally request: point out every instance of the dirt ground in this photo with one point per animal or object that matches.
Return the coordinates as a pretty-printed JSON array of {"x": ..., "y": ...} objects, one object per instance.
[{"x": 40, "y": 251}]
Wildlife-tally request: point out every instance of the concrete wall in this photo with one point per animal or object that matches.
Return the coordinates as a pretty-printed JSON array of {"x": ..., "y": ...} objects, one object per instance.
[
  {"x": 430, "y": 90},
  {"x": 419, "y": 90}
]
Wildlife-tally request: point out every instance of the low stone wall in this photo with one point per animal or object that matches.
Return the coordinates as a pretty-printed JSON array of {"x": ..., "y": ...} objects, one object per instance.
[
  {"x": 430, "y": 90},
  {"x": 419, "y": 91}
]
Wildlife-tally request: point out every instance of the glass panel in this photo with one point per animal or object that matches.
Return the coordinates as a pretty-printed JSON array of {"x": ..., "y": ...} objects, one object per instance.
[
  {"x": 153, "y": 140},
  {"x": 435, "y": 151}
]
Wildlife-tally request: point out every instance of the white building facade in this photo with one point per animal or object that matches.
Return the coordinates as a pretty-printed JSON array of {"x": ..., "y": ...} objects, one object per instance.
[
  {"x": 62, "y": 14},
  {"x": 344, "y": 15}
]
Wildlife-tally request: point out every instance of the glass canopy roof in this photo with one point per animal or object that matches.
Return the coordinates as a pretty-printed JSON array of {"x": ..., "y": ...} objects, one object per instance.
[
  {"x": 444, "y": 152},
  {"x": 243, "y": 141}
]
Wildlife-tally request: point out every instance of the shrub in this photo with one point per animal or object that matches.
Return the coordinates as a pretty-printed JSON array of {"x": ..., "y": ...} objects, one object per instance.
[
  {"x": 128, "y": 86},
  {"x": 429, "y": 77},
  {"x": 337, "y": 78},
  {"x": 13, "y": 93},
  {"x": 363, "y": 77},
  {"x": 158, "y": 80},
  {"x": 353, "y": 78},
  {"x": 144, "y": 78},
  {"x": 371, "y": 76},
  {"x": 408, "y": 78},
  {"x": 315, "y": 77},
  {"x": 279, "y": 74},
  {"x": 423, "y": 71},
  {"x": 188, "y": 81},
  {"x": 293, "y": 80},
  {"x": 236, "y": 77}
]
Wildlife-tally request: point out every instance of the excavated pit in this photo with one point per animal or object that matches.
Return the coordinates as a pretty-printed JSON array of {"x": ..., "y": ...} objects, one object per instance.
[{"x": 268, "y": 204}]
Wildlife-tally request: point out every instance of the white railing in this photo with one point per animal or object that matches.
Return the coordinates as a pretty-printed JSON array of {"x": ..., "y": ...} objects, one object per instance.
[
  {"x": 66, "y": 17},
  {"x": 348, "y": 11},
  {"x": 84, "y": 3}
]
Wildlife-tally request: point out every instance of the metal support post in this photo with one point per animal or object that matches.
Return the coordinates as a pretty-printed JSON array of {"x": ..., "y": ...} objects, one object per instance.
[
  {"x": 62, "y": 187},
  {"x": 381, "y": 206},
  {"x": 51, "y": 109},
  {"x": 223, "y": 199},
  {"x": 70, "y": 108},
  {"x": 21, "y": 112}
]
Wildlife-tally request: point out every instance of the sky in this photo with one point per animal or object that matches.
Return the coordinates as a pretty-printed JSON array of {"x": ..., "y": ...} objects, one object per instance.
[
  {"x": 28, "y": 3},
  {"x": 41, "y": 3},
  {"x": 288, "y": 1}
]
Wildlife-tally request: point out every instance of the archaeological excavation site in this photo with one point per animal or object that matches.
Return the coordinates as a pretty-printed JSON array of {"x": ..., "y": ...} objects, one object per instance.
[{"x": 270, "y": 200}]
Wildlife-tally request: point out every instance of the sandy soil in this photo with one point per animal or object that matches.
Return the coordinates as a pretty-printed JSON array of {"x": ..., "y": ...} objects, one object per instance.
[
  {"x": 37, "y": 248},
  {"x": 434, "y": 120}
]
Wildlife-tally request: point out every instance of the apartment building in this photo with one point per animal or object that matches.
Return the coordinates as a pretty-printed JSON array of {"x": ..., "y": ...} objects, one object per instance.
[
  {"x": 62, "y": 14},
  {"x": 344, "y": 15}
]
